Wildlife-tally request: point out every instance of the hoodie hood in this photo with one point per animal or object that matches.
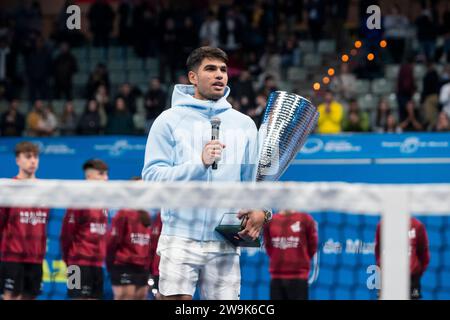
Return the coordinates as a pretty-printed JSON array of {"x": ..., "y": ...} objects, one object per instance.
[{"x": 183, "y": 96}]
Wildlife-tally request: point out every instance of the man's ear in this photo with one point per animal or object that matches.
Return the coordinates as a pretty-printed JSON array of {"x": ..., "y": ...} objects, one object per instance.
[{"x": 193, "y": 79}]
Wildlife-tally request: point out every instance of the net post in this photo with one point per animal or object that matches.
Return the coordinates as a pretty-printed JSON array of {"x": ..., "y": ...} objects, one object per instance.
[{"x": 395, "y": 274}]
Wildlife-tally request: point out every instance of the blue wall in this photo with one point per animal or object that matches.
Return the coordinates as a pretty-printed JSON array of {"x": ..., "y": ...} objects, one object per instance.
[{"x": 346, "y": 241}]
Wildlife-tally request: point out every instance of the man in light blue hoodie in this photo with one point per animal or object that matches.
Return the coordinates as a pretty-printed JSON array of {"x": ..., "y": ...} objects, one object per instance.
[{"x": 179, "y": 148}]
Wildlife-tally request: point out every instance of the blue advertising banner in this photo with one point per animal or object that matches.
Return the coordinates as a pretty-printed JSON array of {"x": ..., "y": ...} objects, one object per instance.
[{"x": 343, "y": 267}]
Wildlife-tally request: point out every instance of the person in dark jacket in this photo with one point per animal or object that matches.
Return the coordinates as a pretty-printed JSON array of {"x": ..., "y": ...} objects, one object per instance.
[
  {"x": 120, "y": 121},
  {"x": 90, "y": 120},
  {"x": 64, "y": 66}
]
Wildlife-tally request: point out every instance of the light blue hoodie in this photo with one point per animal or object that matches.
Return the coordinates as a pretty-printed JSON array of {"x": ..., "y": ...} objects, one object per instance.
[{"x": 173, "y": 153}]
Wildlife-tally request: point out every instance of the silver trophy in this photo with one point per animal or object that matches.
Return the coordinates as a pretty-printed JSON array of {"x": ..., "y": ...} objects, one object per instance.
[{"x": 288, "y": 121}]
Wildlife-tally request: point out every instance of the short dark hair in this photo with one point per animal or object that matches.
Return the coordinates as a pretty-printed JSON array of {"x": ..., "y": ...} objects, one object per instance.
[
  {"x": 95, "y": 164},
  {"x": 26, "y": 146},
  {"x": 196, "y": 57}
]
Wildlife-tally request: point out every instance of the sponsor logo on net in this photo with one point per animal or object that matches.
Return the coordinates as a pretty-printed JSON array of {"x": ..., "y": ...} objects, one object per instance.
[{"x": 413, "y": 144}]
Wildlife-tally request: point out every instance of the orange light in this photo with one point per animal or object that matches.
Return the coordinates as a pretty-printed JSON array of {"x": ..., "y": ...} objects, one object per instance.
[
  {"x": 345, "y": 58},
  {"x": 383, "y": 43},
  {"x": 326, "y": 80},
  {"x": 316, "y": 86},
  {"x": 331, "y": 72},
  {"x": 358, "y": 44},
  {"x": 354, "y": 52},
  {"x": 370, "y": 56}
]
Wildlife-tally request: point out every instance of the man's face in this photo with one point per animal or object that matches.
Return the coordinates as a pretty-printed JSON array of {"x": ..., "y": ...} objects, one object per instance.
[
  {"x": 92, "y": 174},
  {"x": 28, "y": 162},
  {"x": 210, "y": 79}
]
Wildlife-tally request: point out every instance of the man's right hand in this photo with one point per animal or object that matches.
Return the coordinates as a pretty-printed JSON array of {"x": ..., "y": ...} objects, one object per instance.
[{"x": 212, "y": 152}]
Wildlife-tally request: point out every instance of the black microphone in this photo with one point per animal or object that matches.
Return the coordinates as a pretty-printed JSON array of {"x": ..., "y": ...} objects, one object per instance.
[{"x": 215, "y": 124}]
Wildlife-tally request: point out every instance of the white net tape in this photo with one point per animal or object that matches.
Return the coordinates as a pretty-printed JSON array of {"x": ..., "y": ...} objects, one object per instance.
[
  {"x": 394, "y": 202},
  {"x": 346, "y": 197}
]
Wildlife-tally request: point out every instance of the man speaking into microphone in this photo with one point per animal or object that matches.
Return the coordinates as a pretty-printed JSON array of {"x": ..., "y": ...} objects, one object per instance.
[{"x": 182, "y": 145}]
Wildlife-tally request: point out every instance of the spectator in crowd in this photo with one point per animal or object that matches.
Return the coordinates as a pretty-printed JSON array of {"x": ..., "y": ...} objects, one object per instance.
[
  {"x": 331, "y": 114},
  {"x": 90, "y": 120},
  {"x": 154, "y": 102},
  {"x": 6, "y": 69},
  {"x": 406, "y": 87},
  {"x": 230, "y": 30},
  {"x": 427, "y": 32},
  {"x": 120, "y": 121},
  {"x": 446, "y": 30},
  {"x": 419, "y": 254},
  {"x": 444, "y": 97},
  {"x": 396, "y": 28},
  {"x": 430, "y": 96},
  {"x": 35, "y": 120},
  {"x": 129, "y": 258},
  {"x": 392, "y": 125},
  {"x": 442, "y": 123},
  {"x": 344, "y": 84},
  {"x": 64, "y": 66},
  {"x": 380, "y": 116},
  {"x": 356, "y": 120},
  {"x": 188, "y": 38},
  {"x": 210, "y": 31},
  {"x": 68, "y": 123},
  {"x": 23, "y": 236},
  {"x": 12, "y": 122},
  {"x": 169, "y": 48},
  {"x": 49, "y": 120},
  {"x": 412, "y": 121},
  {"x": 243, "y": 87},
  {"x": 101, "y": 19},
  {"x": 290, "y": 264},
  {"x": 38, "y": 68},
  {"x": 27, "y": 23},
  {"x": 97, "y": 78},
  {"x": 83, "y": 240},
  {"x": 144, "y": 18},
  {"x": 290, "y": 54},
  {"x": 268, "y": 87},
  {"x": 125, "y": 17},
  {"x": 257, "y": 113},
  {"x": 105, "y": 107},
  {"x": 128, "y": 93},
  {"x": 316, "y": 18},
  {"x": 270, "y": 62}
]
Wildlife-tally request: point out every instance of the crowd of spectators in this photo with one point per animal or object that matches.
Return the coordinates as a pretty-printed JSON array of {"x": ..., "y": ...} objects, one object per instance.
[{"x": 262, "y": 39}]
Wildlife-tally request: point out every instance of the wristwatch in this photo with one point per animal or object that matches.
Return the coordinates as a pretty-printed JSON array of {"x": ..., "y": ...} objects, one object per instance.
[{"x": 267, "y": 215}]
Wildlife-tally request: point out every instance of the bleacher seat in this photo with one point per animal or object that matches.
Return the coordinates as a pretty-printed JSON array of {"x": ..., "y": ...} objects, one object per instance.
[
  {"x": 362, "y": 86},
  {"x": 312, "y": 60},
  {"x": 326, "y": 46},
  {"x": 368, "y": 102},
  {"x": 80, "y": 78},
  {"x": 296, "y": 74},
  {"x": 382, "y": 86},
  {"x": 392, "y": 100},
  {"x": 391, "y": 71},
  {"x": 306, "y": 46},
  {"x": 139, "y": 121},
  {"x": 117, "y": 77},
  {"x": 138, "y": 77},
  {"x": 419, "y": 71}
]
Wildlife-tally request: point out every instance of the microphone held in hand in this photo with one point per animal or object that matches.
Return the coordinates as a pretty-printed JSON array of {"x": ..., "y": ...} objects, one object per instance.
[{"x": 215, "y": 124}]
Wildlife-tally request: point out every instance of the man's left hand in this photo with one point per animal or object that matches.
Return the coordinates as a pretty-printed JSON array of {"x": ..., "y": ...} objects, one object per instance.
[{"x": 253, "y": 222}]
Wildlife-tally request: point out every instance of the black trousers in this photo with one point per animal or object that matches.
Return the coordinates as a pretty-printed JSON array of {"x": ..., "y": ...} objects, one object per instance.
[{"x": 288, "y": 289}]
